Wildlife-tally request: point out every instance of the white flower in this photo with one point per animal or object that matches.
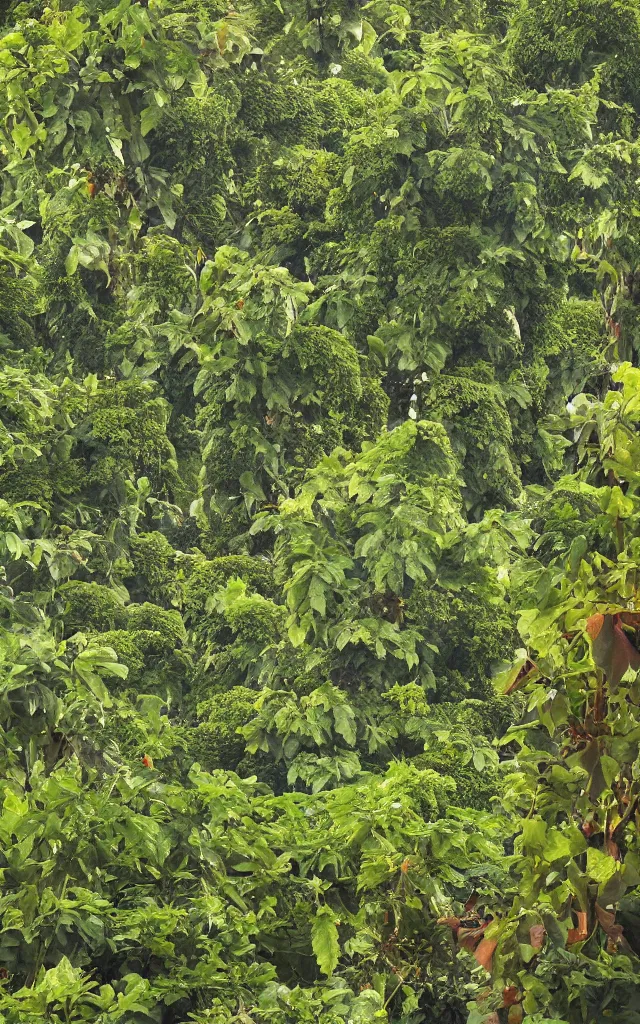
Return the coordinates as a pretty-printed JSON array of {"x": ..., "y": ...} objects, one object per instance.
[{"x": 571, "y": 408}]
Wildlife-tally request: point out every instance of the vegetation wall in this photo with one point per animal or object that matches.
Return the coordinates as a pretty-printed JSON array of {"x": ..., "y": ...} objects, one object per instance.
[{"x": 319, "y": 512}]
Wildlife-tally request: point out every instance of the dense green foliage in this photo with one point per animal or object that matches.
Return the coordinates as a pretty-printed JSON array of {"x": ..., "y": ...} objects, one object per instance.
[{"x": 319, "y": 512}]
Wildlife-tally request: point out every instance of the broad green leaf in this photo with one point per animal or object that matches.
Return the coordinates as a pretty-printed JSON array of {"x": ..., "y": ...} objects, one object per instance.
[
  {"x": 150, "y": 117},
  {"x": 324, "y": 940},
  {"x": 72, "y": 260}
]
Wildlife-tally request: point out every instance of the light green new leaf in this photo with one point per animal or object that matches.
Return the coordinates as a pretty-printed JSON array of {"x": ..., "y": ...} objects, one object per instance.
[
  {"x": 116, "y": 146},
  {"x": 324, "y": 939},
  {"x": 22, "y": 138},
  {"x": 71, "y": 262}
]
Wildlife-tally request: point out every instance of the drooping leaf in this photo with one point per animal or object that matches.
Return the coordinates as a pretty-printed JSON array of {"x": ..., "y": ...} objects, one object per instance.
[
  {"x": 613, "y": 652},
  {"x": 484, "y": 953}
]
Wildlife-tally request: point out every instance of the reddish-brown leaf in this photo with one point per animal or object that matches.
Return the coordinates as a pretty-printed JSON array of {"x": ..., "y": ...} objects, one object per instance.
[
  {"x": 523, "y": 677},
  {"x": 631, "y": 619},
  {"x": 484, "y": 953},
  {"x": 511, "y": 995},
  {"x": 590, "y": 761},
  {"x": 537, "y": 933},
  {"x": 594, "y": 625},
  {"x": 471, "y": 902},
  {"x": 613, "y": 652},
  {"x": 612, "y": 849},
  {"x": 516, "y": 1014},
  {"x": 607, "y": 921},
  {"x": 469, "y": 938},
  {"x": 580, "y": 933}
]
